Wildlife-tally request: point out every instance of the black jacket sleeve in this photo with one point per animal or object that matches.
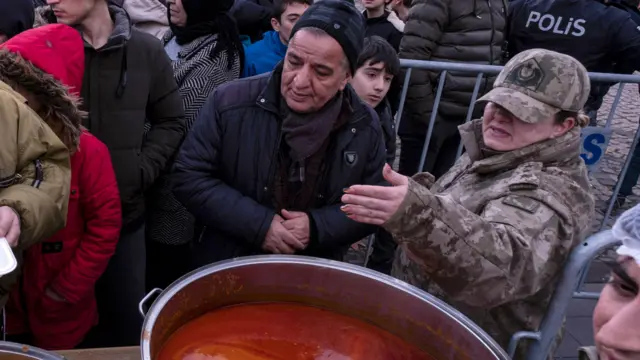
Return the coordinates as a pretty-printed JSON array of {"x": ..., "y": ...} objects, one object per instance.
[
  {"x": 197, "y": 183},
  {"x": 253, "y": 17},
  {"x": 333, "y": 228},
  {"x": 165, "y": 113},
  {"x": 625, "y": 44}
]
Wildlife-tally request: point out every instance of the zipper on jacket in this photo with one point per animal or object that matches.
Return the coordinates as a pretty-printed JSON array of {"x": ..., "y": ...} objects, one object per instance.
[
  {"x": 204, "y": 229},
  {"x": 274, "y": 158},
  {"x": 339, "y": 193},
  {"x": 493, "y": 32}
]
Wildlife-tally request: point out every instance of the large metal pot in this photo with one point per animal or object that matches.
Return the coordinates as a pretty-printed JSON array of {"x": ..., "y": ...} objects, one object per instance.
[
  {"x": 13, "y": 351},
  {"x": 393, "y": 305}
]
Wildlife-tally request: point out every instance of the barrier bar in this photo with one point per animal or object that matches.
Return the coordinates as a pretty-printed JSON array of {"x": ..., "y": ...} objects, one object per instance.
[
  {"x": 403, "y": 97},
  {"x": 472, "y": 106},
  {"x": 432, "y": 121},
  {"x": 614, "y": 106}
]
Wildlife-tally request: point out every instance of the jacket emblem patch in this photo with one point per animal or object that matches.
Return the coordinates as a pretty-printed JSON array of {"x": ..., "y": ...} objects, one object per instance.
[
  {"x": 351, "y": 158},
  {"x": 522, "y": 203}
]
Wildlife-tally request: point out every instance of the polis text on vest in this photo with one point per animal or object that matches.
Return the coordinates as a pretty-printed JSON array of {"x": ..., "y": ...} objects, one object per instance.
[{"x": 557, "y": 25}]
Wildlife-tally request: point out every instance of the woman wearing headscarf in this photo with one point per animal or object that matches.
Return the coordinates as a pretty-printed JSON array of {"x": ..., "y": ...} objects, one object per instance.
[
  {"x": 492, "y": 235},
  {"x": 206, "y": 50}
]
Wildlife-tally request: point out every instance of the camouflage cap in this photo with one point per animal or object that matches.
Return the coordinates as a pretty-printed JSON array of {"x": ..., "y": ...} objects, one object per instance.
[{"x": 537, "y": 84}]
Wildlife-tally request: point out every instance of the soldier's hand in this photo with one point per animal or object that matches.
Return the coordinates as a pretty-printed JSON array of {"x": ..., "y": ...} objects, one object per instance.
[
  {"x": 279, "y": 240},
  {"x": 9, "y": 225},
  {"x": 376, "y": 204}
]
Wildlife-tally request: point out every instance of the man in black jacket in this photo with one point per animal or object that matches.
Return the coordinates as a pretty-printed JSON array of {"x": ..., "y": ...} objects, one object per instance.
[
  {"x": 128, "y": 80},
  {"x": 16, "y": 16},
  {"x": 596, "y": 34},
  {"x": 267, "y": 161}
]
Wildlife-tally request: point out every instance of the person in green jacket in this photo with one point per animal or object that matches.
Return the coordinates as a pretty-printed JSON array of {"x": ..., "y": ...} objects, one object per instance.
[{"x": 616, "y": 318}]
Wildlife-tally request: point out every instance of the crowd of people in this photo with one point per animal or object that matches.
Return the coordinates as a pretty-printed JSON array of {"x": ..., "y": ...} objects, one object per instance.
[{"x": 143, "y": 139}]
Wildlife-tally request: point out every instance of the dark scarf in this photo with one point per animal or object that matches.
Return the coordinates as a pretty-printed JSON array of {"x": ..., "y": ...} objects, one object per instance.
[
  {"x": 208, "y": 17},
  {"x": 305, "y": 133},
  {"x": 301, "y": 160}
]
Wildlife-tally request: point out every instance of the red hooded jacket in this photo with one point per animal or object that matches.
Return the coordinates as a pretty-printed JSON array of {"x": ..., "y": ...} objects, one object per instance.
[{"x": 70, "y": 262}]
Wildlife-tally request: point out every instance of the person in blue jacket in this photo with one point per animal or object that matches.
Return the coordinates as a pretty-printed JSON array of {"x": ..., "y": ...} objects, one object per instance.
[{"x": 263, "y": 56}]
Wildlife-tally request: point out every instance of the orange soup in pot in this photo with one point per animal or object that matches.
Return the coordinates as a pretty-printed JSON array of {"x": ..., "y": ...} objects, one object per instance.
[{"x": 281, "y": 331}]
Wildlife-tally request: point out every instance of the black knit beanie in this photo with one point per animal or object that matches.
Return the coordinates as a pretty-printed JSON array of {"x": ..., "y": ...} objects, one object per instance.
[{"x": 341, "y": 20}]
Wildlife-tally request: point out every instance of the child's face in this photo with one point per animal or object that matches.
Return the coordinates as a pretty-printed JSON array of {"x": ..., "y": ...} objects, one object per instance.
[
  {"x": 373, "y": 4},
  {"x": 371, "y": 82}
]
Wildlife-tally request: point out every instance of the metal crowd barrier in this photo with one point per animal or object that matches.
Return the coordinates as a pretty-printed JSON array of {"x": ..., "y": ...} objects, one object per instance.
[{"x": 577, "y": 266}]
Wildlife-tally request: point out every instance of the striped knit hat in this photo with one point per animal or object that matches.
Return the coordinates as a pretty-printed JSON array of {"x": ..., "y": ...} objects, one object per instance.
[{"x": 342, "y": 21}]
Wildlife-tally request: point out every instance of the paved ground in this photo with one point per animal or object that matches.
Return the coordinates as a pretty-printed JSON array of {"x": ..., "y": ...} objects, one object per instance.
[{"x": 625, "y": 122}]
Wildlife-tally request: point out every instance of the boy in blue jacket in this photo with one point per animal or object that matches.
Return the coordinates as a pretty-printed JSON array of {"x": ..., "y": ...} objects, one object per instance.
[{"x": 262, "y": 56}]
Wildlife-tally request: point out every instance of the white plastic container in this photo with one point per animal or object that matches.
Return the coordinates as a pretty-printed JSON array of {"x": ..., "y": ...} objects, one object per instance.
[{"x": 8, "y": 261}]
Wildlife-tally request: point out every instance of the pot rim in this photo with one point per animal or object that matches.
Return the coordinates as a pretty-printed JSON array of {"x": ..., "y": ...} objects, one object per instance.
[
  {"x": 178, "y": 285},
  {"x": 28, "y": 350}
]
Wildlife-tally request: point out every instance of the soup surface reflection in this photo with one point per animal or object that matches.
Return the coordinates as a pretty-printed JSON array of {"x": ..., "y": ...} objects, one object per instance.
[{"x": 277, "y": 331}]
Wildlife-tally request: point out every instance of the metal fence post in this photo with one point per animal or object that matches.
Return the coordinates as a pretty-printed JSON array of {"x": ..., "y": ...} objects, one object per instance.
[
  {"x": 472, "y": 106},
  {"x": 403, "y": 98},
  {"x": 432, "y": 121}
]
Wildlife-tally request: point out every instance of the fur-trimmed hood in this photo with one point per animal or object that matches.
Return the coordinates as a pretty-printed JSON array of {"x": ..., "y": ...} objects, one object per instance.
[{"x": 47, "y": 64}]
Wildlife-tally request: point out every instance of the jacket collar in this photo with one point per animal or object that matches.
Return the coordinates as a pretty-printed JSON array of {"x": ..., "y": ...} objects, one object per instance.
[
  {"x": 5, "y": 87},
  {"x": 272, "y": 41},
  {"x": 269, "y": 97},
  {"x": 121, "y": 28},
  {"x": 383, "y": 17},
  {"x": 384, "y": 108},
  {"x": 121, "y": 25},
  {"x": 193, "y": 46},
  {"x": 559, "y": 150}
]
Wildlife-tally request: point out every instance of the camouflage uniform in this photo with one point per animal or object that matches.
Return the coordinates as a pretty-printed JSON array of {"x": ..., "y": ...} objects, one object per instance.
[{"x": 492, "y": 235}]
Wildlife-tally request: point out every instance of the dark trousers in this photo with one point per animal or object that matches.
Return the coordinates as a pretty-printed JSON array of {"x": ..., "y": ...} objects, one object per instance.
[
  {"x": 119, "y": 291},
  {"x": 442, "y": 151},
  {"x": 633, "y": 173},
  {"x": 166, "y": 263},
  {"x": 384, "y": 250}
]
